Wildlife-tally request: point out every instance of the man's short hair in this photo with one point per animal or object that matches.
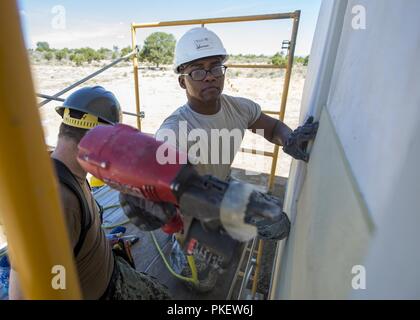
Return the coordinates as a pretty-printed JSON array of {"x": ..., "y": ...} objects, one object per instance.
[{"x": 70, "y": 132}]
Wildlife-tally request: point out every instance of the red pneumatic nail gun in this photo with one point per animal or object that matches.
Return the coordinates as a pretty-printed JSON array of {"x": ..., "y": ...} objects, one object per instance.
[{"x": 126, "y": 159}]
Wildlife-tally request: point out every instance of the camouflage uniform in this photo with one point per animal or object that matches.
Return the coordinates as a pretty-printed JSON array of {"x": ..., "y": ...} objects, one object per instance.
[{"x": 130, "y": 284}]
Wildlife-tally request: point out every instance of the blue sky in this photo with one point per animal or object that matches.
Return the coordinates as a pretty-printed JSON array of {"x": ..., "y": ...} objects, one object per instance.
[{"x": 97, "y": 23}]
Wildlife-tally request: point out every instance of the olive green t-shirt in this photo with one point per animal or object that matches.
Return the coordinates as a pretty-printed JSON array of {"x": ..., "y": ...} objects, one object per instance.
[
  {"x": 235, "y": 116},
  {"x": 95, "y": 261}
]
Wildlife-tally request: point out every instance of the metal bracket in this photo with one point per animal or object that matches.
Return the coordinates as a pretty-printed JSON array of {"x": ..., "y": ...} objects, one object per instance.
[
  {"x": 137, "y": 49},
  {"x": 141, "y": 115},
  {"x": 285, "y": 44}
]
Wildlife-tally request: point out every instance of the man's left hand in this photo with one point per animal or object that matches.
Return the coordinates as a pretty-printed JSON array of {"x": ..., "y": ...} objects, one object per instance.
[{"x": 297, "y": 141}]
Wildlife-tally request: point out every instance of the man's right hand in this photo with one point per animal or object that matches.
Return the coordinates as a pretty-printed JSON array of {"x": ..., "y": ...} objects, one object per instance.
[{"x": 145, "y": 214}]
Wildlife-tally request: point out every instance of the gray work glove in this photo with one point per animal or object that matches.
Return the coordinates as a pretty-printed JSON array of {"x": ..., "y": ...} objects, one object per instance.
[
  {"x": 297, "y": 141},
  {"x": 274, "y": 230},
  {"x": 145, "y": 214},
  {"x": 269, "y": 229}
]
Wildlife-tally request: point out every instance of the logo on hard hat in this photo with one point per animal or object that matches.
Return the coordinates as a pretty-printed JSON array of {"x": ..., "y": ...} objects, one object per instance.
[{"x": 204, "y": 43}]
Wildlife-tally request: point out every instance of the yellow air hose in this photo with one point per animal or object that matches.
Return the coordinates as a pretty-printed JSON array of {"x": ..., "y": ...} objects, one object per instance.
[{"x": 190, "y": 259}]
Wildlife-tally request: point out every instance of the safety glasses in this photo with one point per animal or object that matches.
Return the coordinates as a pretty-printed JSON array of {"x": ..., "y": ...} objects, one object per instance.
[{"x": 201, "y": 74}]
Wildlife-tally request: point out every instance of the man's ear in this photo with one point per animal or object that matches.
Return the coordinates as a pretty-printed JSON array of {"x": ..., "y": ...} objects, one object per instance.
[{"x": 181, "y": 81}]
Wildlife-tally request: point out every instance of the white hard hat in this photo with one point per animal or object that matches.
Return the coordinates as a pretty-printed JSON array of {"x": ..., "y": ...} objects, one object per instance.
[{"x": 195, "y": 44}]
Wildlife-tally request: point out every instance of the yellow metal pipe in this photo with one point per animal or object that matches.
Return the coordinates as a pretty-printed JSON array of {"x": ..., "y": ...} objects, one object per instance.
[
  {"x": 257, "y": 268},
  {"x": 285, "y": 93},
  {"x": 290, "y": 15},
  {"x": 136, "y": 76},
  {"x": 29, "y": 204},
  {"x": 277, "y": 113},
  {"x": 273, "y": 168},
  {"x": 254, "y": 151}
]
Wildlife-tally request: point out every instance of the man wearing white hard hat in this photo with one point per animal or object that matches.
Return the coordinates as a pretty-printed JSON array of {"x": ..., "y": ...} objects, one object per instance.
[{"x": 199, "y": 61}]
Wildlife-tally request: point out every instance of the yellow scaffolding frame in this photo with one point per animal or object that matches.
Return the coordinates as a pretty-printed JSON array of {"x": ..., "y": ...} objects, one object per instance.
[
  {"x": 35, "y": 227},
  {"x": 29, "y": 203},
  {"x": 295, "y": 16}
]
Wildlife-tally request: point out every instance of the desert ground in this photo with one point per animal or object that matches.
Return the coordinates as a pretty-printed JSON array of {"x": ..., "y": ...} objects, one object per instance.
[{"x": 160, "y": 95}]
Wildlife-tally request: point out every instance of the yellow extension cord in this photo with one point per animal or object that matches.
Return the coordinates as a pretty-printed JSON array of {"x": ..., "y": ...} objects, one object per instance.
[{"x": 190, "y": 258}]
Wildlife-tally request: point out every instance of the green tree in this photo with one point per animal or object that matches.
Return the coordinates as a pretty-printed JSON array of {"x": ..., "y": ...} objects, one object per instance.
[
  {"x": 302, "y": 60},
  {"x": 159, "y": 48},
  {"x": 279, "y": 60},
  {"x": 88, "y": 54},
  {"x": 48, "y": 55},
  {"x": 104, "y": 53},
  {"x": 77, "y": 58},
  {"x": 42, "y": 46},
  {"x": 61, "y": 54},
  {"x": 125, "y": 51}
]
